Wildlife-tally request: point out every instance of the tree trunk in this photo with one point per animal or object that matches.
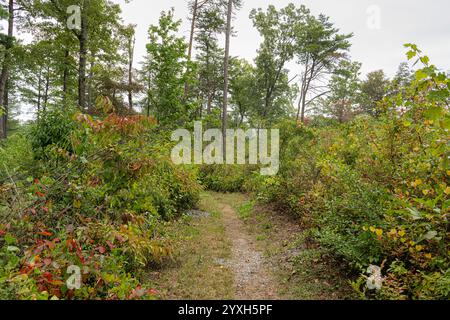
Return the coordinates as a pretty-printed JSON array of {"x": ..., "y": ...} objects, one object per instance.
[
  {"x": 209, "y": 103},
  {"x": 39, "y": 94},
  {"x": 5, "y": 72},
  {"x": 90, "y": 104},
  {"x": 65, "y": 76},
  {"x": 306, "y": 85},
  {"x": 6, "y": 105},
  {"x": 47, "y": 87},
  {"x": 191, "y": 42},
  {"x": 83, "y": 38},
  {"x": 208, "y": 83},
  {"x": 191, "y": 37},
  {"x": 130, "y": 72},
  {"x": 225, "y": 76}
]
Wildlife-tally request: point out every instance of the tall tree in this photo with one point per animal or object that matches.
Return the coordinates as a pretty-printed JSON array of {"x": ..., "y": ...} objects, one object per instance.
[
  {"x": 130, "y": 38},
  {"x": 343, "y": 101},
  {"x": 374, "y": 88},
  {"x": 39, "y": 75},
  {"x": 7, "y": 43},
  {"x": 278, "y": 32},
  {"x": 209, "y": 59},
  {"x": 195, "y": 7},
  {"x": 242, "y": 89},
  {"x": 319, "y": 48},
  {"x": 225, "y": 76},
  {"x": 165, "y": 70},
  {"x": 95, "y": 37}
]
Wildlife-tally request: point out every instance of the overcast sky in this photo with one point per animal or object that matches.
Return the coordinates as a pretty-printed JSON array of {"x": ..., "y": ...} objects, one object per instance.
[{"x": 425, "y": 23}]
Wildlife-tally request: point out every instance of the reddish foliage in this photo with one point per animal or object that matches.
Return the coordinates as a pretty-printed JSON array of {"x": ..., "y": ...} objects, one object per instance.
[{"x": 124, "y": 124}]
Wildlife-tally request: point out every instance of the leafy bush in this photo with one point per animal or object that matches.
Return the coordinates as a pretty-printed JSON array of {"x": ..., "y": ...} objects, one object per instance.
[
  {"x": 376, "y": 191},
  {"x": 15, "y": 156},
  {"x": 223, "y": 178},
  {"x": 52, "y": 128},
  {"x": 95, "y": 203}
]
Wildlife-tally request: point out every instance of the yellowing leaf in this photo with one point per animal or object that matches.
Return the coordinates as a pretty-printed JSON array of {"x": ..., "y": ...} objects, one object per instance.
[
  {"x": 392, "y": 233},
  {"x": 417, "y": 183},
  {"x": 77, "y": 204}
]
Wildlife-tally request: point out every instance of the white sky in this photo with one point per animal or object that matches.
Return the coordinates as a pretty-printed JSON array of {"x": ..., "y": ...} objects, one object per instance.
[{"x": 425, "y": 23}]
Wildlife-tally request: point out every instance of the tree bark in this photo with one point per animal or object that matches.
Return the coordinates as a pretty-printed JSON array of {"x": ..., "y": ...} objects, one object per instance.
[
  {"x": 208, "y": 83},
  {"x": 225, "y": 76},
  {"x": 65, "y": 76},
  {"x": 191, "y": 37},
  {"x": 130, "y": 72},
  {"x": 191, "y": 42},
  {"x": 83, "y": 38},
  {"x": 6, "y": 105},
  {"x": 39, "y": 94},
  {"x": 47, "y": 88},
  {"x": 5, "y": 72}
]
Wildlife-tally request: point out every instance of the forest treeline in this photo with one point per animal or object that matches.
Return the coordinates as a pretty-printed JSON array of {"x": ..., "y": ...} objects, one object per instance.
[{"x": 89, "y": 182}]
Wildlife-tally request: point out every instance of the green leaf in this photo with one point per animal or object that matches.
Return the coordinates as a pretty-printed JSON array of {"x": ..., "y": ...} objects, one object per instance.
[
  {"x": 9, "y": 239},
  {"x": 12, "y": 249},
  {"x": 433, "y": 113},
  {"x": 439, "y": 95},
  {"x": 425, "y": 60},
  {"x": 415, "y": 214},
  {"x": 420, "y": 75},
  {"x": 430, "y": 235},
  {"x": 411, "y": 54}
]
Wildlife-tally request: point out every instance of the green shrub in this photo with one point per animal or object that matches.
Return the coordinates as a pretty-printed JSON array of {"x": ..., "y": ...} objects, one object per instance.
[
  {"x": 376, "y": 191},
  {"x": 224, "y": 178},
  {"x": 53, "y": 128},
  {"x": 97, "y": 203}
]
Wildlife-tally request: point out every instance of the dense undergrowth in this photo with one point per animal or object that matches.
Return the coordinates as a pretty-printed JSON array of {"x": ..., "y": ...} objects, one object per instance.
[
  {"x": 90, "y": 195},
  {"x": 374, "y": 191}
]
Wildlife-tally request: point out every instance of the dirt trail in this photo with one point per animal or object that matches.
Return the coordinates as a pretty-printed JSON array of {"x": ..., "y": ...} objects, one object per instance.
[
  {"x": 258, "y": 255},
  {"x": 252, "y": 280}
]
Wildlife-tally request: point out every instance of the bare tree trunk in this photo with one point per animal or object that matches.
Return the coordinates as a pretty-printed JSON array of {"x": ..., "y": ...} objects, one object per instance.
[
  {"x": 148, "y": 94},
  {"x": 302, "y": 92},
  {"x": 65, "y": 76},
  {"x": 208, "y": 83},
  {"x": 47, "y": 87},
  {"x": 6, "y": 104},
  {"x": 225, "y": 76},
  {"x": 191, "y": 37},
  {"x": 90, "y": 104},
  {"x": 191, "y": 42},
  {"x": 83, "y": 38},
  {"x": 130, "y": 72},
  {"x": 209, "y": 104},
  {"x": 5, "y": 72},
  {"x": 39, "y": 97},
  {"x": 306, "y": 86}
]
